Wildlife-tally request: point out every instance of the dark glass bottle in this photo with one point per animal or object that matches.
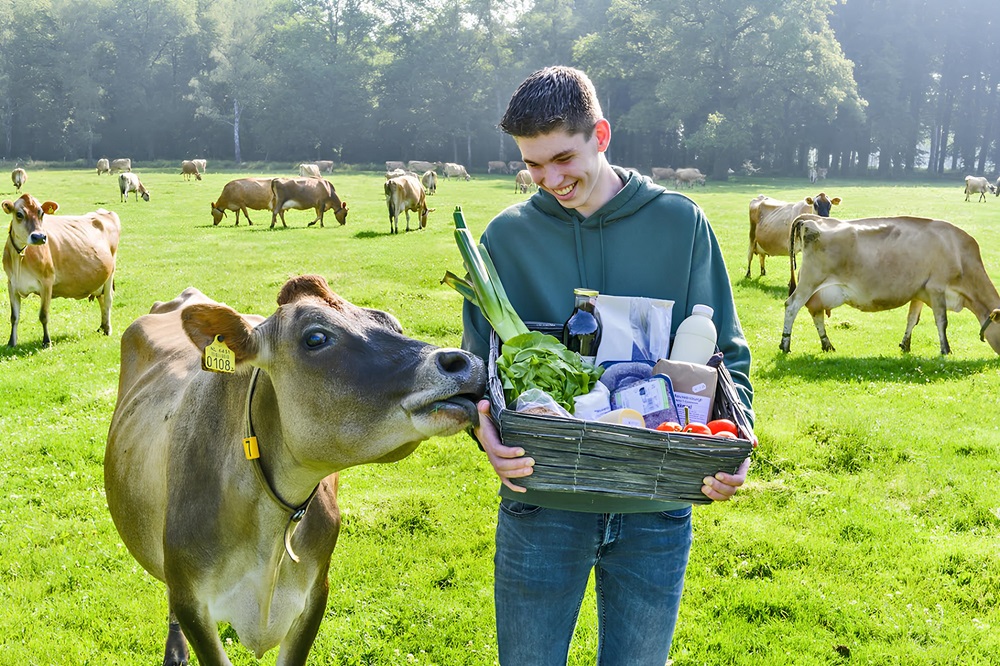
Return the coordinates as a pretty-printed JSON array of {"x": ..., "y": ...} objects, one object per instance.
[{"x": 582, "y": 331}]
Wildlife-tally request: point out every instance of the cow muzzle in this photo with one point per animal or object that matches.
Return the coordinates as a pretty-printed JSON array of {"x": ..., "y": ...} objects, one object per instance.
[
  {"x": 993, "y": 317},
  {"x": 37, "y": 238}
]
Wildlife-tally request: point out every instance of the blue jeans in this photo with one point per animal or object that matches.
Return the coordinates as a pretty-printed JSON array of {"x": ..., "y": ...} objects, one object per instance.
[{"x": 543, "y": 561}]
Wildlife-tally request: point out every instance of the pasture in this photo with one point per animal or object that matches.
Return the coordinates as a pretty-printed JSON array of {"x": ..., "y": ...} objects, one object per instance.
[{"x": 867, "y": 532}]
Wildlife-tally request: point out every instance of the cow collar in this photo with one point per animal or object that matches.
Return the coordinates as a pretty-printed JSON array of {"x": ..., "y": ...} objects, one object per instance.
[
  {"x": 13, "y": 243},
  {"x": 295, "y": 513}
]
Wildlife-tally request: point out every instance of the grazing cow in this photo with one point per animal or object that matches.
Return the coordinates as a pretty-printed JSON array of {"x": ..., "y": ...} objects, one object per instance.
[
  {"x": 319, "y": 386},
  {"x": 303, "y": 193},
  {"x": 523, "y": 181},
  {"x": 978, "y": 185},
  {"x": 771, "y": 222},
  {"x": 103, "y": 166},
  {"x": 58, "y": 256},
  {"x": 882, "y": 263},
  {"x": 515, "y": 165},
  {"x": 309, "y": 171},
  {"x": 121, "y": 164},
  {"x": 689, "y": 176},
  {"x": 243, "y": 193},
  {"x": 821, "y": 173},
  {"x": 19, "y": 177},
  {"x": 201, "y": 164},
  {"x": 455, "y": 170},
  {"x": 403, "y": 194},
  {"x": 430, "y": 181},
  {"x": 392, "y": 165},
  {"x": 325, "y": 165},
  {"x": 129, "y": 182},
  {"x": 188, "y": 169},
  {"x": 663, "y": 173},
  {"x": 500, "y": 167},
  {"x": 398, "y": 172},
  {"x": 420, "y": 166}
]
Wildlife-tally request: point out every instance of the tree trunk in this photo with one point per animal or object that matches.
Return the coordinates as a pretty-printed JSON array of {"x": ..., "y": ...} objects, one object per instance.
[{"x": 236, "y": 131}]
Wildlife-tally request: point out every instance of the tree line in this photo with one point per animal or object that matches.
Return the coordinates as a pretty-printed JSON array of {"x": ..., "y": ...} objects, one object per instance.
[{"x": 891, "y": 86}]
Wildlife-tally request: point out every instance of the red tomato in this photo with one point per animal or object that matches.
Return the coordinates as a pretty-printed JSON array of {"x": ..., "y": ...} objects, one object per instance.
[
  {"x": 669, "y": 426},
  {"x": 697, "y": 429},
  {"x": 722, "y": 425},
  {"x": 725, "y": 434}
]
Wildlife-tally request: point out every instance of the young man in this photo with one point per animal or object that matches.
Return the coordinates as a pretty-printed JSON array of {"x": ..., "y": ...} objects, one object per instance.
[{"x": 592, "y": 225}]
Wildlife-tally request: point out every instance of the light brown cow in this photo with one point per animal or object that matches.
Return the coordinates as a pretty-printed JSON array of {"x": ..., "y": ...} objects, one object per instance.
[
  {"x": 430, "y": 181},
  {"x": 121, "y": 164},
  {"x": 420, "y": 166},
  {"x": 497, "y": 166},
  {"x": 129, "y": 182},
  {"x": 978, "y": 185},
  {"x": 19, "y": 177},
  {"x": 309, "y": 171},
  {"x": 403, "y": 194},
  {"x": 452, "y": 170},
  {"x": 321, "y": 385},
  {"x": 663, "y": 173},
  {"x": 241, "y": 194},
  {"x": 325, "y": 165},
  {"x": 303, "y": 193},
  {"x": 201, "y": 164},
  {"x": 393, "y": 164},
  {"x": 882, "y": 263},
  {"x": 515, "y": 165},
  {"x": 58, "y": 256},
  {"x": 103, "y": 166},
  {"x": 523, "y": 181},
  {"x": 771, "y": 222},
  {"x": 188, "y": 169},
  {"x": 689, "y": 176}
]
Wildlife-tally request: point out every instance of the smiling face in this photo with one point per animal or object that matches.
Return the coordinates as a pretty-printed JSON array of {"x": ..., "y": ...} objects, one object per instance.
[{"x": 572, "y": 167}]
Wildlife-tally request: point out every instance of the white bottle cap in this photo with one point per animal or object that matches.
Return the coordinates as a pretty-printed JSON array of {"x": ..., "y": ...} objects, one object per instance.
[{"x": 702, "y": 309}]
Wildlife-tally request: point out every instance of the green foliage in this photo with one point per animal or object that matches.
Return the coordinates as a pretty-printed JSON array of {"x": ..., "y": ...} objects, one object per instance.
[{"x": 868, "y": 526}]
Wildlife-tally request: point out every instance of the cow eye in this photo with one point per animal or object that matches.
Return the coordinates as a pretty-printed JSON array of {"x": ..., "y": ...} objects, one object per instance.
[
  {"x": 315, "y": 339},
  {"x": 19, "y": 215}
]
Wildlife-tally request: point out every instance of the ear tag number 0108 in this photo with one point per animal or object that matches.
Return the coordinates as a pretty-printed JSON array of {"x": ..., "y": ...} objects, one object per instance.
[{"x": 218, "y": 357}]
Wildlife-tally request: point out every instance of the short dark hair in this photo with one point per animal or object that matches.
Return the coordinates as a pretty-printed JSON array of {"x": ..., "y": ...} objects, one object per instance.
[{"x": 554, "y": 98}]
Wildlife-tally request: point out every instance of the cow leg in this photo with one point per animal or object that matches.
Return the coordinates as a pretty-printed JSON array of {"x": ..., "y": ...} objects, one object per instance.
[
  {"x": 941, "y": 319},
  {"x": 43, "y": 314},
  {"x": 201, "y": 633},
  {"x": 176, "y": 652},
  {"x": 105, "y": 299},
  {"x": 15, "y": 313},
  {"x": 792, "y": 307},
  {"x": 819, "y": 320},
  {"x": 295, "y": 647},
  {"x": 407, "y": 213},
  {"x": 912, "y": 319}
]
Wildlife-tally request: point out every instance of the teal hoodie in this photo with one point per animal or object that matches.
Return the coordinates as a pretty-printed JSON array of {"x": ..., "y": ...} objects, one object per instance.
[{"x": 647, "y": 241}]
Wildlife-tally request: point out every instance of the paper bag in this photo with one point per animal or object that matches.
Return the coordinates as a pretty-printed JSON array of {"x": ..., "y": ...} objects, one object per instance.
[{"x": 694, "y": 387}]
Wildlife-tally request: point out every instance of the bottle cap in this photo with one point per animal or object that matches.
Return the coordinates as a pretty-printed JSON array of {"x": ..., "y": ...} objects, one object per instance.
[
  {"x": 583, "y": 291},
  {"x": 703, "y": 310}
]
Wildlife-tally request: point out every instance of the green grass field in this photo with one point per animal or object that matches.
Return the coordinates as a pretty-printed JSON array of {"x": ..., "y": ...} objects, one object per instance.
[{"x": 867, "y": 532}]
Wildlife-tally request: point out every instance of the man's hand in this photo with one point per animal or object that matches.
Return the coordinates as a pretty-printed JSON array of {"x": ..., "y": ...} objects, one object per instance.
[
  {"x": 722, "y": 486},
  {"x": 508, "y": 461}
]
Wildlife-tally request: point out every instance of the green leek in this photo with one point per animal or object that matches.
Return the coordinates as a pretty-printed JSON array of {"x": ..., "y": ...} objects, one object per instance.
[{"x": 483, "y": 287}]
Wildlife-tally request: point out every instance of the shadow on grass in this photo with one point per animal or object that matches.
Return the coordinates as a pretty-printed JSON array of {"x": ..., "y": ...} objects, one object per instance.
[
  {"x": 778, "y": 291},
  {"x": 30, "y": 347},
  {"x": 902, "y": 369}
]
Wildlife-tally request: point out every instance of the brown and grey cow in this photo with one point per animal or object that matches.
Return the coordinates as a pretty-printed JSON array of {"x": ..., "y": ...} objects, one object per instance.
[
  {"x": 882, "y": 263},
  {"x": 58, "y": 256},
  {"x": 103, "y": 166},
  {"x": 19, "y": 177},
  {"x": 121, "y": 164},
  {"x": 771, "y": 222},
  {"x": 188, "y": 169},
  {"x": 402, "y": 195},
  {"x": 302, "y": 194},
  {"x": 223, "y": 485},
  {"x": 239, "y": 195}
]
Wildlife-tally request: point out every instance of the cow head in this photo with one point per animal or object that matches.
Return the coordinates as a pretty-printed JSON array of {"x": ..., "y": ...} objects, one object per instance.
[
  {"x": 346, "y": 385},
  {"x": 423, "y": 216},
  {"x": 341, "y": 213},
  {"x": 822, "y": 204},
  {"x": 217, "y": 214},
  {"x": 991, "y": 334},
  {"x": 26, "y": 220}
]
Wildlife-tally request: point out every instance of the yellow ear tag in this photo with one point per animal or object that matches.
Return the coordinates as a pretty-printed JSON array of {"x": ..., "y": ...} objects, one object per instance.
[
  {"x": 218, "y": 357},
  {"x": 250, "y": 448}
]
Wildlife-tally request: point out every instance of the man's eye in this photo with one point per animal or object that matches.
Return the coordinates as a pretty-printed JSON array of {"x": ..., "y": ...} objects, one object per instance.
[{"x": 316, "y": 339}]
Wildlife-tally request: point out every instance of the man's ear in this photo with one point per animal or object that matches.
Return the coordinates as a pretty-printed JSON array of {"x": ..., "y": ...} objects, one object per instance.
[{"x": 602, "y": 130}]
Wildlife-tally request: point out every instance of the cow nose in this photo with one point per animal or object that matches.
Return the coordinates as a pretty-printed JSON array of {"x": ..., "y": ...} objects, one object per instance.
[
  {"x": 37, "y": 238},
  {"x": 453, "y": 361}
]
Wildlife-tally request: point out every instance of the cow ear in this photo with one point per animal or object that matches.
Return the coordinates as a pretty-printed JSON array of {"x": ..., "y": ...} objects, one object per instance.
[
  {"x": 50, "y": 207},
  {"x": 204, "y": 321},
  {"x": 835, "y": 201},
  {"x": 8, "y": 206},
  {"x": 809, "y": 200}
]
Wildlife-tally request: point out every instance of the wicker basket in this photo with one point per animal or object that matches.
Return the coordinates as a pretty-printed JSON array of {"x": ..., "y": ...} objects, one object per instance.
[{"x": 616, "y": 460}]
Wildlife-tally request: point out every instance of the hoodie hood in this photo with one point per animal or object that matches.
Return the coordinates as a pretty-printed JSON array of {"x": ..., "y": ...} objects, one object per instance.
[{"x": 636, "y": 193}]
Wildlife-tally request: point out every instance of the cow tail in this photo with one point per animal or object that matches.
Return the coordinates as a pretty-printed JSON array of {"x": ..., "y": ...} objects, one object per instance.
[{"x": 796, "y": 230}]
